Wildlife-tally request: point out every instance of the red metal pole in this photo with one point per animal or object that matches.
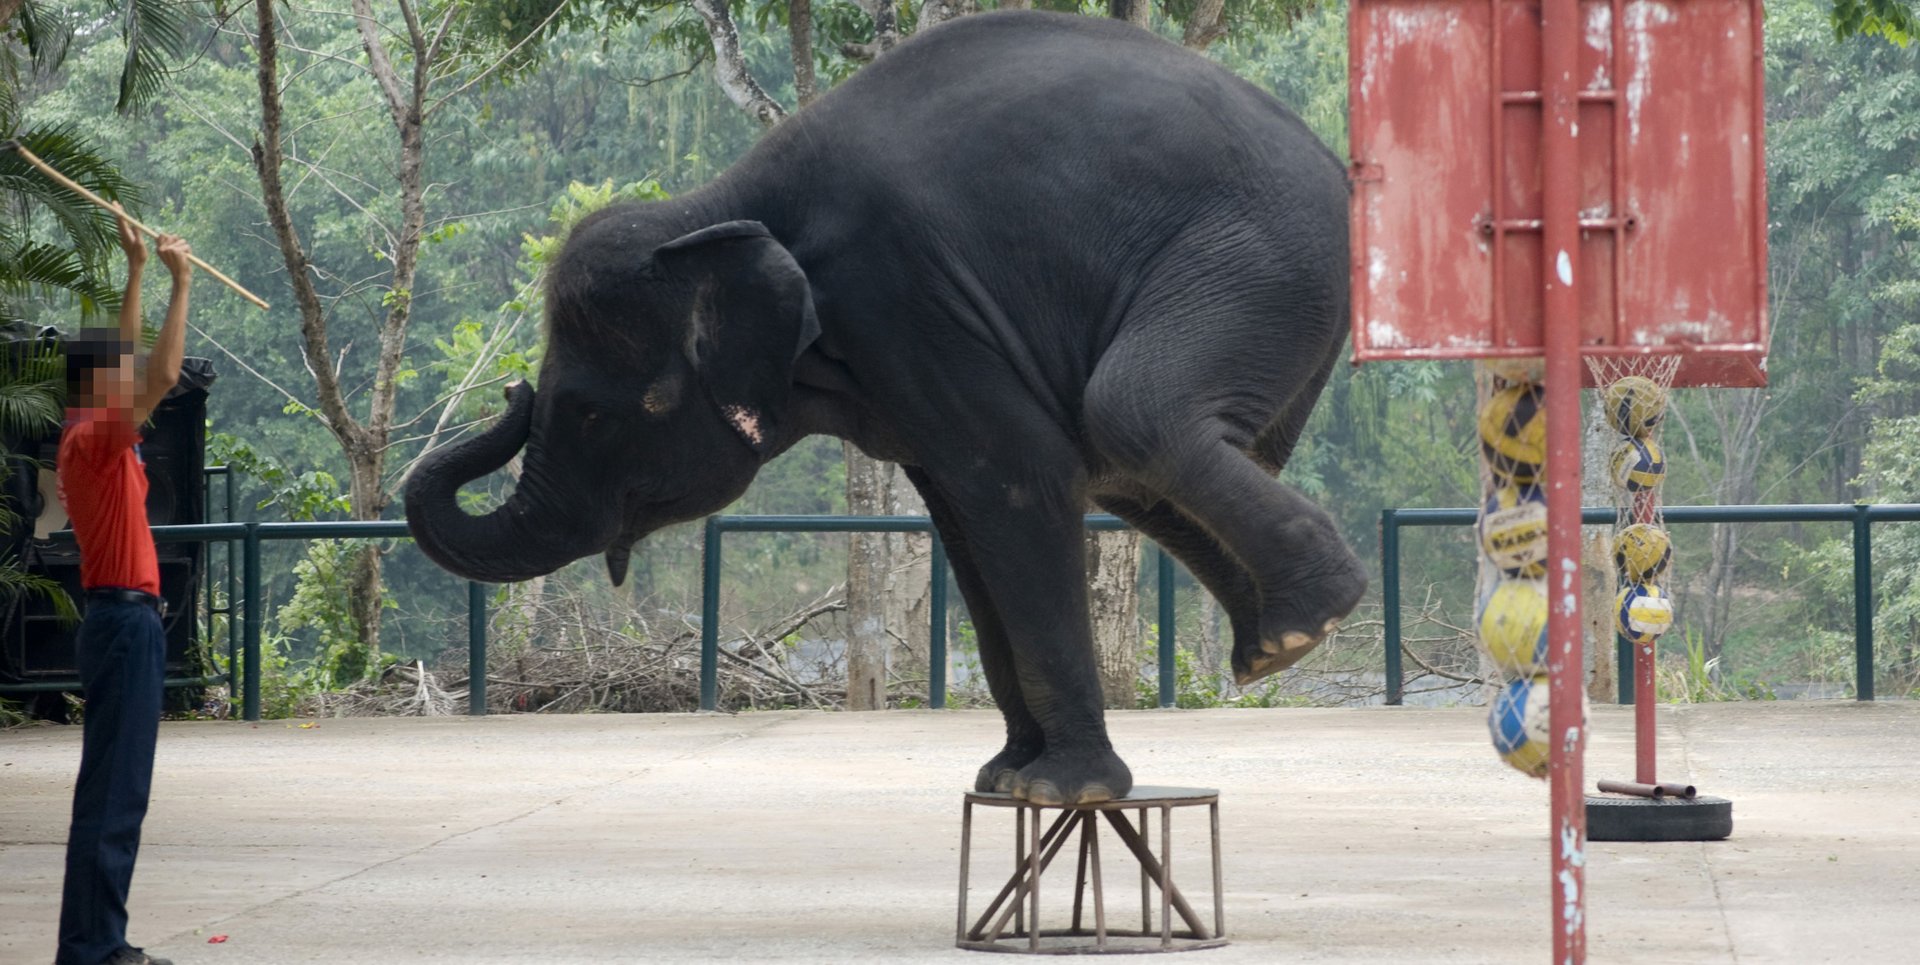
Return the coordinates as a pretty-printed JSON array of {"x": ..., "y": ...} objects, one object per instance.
[
  {"x": 1560, "y": 256},
  {"x": 1645, "y": 697}
]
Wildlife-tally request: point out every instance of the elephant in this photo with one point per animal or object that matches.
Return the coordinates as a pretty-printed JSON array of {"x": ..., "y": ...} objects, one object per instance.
[{"x": 1037, "y": 260}]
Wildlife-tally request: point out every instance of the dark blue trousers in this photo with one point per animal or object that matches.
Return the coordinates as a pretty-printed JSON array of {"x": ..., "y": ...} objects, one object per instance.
[{"x": 122, "y": 657}]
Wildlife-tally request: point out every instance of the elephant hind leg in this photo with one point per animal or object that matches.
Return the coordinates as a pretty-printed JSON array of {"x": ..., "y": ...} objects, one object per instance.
[
  {"x": 1177, "y": 405},
  {"x": 1218, "y": 570}
]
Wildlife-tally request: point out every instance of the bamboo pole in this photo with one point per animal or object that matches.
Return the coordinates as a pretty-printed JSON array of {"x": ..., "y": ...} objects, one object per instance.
[{"x": 76, "y": 188}]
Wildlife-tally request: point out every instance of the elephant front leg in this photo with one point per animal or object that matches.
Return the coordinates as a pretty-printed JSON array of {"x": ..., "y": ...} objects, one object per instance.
[
  {"x": 1026, "y": 542},
  {"x": 1025, "y": 741}
]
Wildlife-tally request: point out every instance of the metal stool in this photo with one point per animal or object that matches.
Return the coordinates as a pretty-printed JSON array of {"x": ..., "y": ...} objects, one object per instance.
[{"x": 1011, "y": 922}]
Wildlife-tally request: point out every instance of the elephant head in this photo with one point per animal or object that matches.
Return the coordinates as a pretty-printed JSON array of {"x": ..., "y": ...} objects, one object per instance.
[{"x": 664, "y": 389}]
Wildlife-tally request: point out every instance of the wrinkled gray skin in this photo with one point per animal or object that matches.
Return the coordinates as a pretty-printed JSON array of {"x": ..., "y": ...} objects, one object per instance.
[{"x": 1036, "y": 259}]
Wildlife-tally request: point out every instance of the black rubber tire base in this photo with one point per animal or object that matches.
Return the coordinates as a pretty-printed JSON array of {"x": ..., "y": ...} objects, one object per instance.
[{"x": 1621, "y": 818}]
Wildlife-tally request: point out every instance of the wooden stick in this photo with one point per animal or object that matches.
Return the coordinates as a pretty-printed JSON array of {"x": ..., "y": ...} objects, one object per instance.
[{"x": 70, "y": 185}]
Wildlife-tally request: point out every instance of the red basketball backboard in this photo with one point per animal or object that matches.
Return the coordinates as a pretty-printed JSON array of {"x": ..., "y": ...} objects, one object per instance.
[{"x": 1446, "y": 210}]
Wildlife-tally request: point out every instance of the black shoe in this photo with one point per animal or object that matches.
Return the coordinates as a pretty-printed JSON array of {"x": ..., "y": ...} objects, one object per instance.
[{"x": 134, "y": 956}]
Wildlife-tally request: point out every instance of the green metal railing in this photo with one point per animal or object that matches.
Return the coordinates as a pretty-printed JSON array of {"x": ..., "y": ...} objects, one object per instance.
[
  {"x": 1861, "y": 516},
  {"x": 249, "y": 536},
  {"x": 718, "y": 526},
  {"x": 244, "y": 656}
]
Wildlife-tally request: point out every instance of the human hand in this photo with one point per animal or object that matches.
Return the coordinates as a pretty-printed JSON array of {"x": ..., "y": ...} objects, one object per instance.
[
  {"x": 173, "y": 253},
  {"x": 130, "y": 240}
]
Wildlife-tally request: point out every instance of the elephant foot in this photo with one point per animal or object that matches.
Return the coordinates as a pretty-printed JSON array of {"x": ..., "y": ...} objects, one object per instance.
[
  {"x": 1287, "y": 638},
  {"x": 1000, "y": 773},
  {"x": 1074, "y": 776},
  {"x": 1278, "y": 652}
]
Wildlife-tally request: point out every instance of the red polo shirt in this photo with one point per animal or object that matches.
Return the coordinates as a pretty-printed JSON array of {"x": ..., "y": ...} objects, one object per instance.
[{"x": 104, "y": 486}]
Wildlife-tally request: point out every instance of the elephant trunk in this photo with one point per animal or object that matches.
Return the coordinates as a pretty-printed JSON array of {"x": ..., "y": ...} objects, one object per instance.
[{"x": 509, "y": 544}]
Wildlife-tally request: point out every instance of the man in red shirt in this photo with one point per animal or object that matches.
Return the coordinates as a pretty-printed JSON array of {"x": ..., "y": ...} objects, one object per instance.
[{"x": 121, "y": 648}]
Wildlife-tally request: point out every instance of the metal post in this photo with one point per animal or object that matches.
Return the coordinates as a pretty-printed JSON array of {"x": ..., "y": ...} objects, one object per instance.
[
  {"x": 937, "y": 628},
  {"x": 1559, "y": 258},
  {"x": 233, "y": 593},
  {"x": 206, "y": 549},
  {"x": 250, "y": 702},
  {"x": 1862, "y": 603},
  {"x": 476, "y": 649},
  {"x": 1622, "y": 659},
  {"x": 1390, "y": 603},
  {"x": 710, "y": 618},
  {"x": 1167, "y": 682}
]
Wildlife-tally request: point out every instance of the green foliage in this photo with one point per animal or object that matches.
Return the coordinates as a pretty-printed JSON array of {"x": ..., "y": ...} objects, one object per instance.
[
  {"x": 304, "y": 496},
  {"x": 284, "y": 684},
  {"x": 31, "y": 386},
  {"x": 1891, "y": 19},
  {"x": 1699, "y": 679},
  {"x": 1195, "y": 689},
  {"x": 320, "y": 605}
]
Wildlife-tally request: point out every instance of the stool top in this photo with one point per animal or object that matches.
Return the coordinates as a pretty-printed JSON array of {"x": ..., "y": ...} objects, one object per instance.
[{"x": 1143, "y": 796}]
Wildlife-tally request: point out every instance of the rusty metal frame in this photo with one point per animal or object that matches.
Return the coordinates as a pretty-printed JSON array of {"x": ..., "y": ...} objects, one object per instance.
[
  {"x": 1001, "y": 928},
  {"x": 1708, "y": 363}
]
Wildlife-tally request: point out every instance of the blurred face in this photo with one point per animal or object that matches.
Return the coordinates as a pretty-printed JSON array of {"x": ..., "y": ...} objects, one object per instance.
[{"x": 107, "y": 387}]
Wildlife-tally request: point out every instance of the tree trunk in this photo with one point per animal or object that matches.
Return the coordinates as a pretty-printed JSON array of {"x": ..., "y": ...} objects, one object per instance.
[
  {"x": 1136, "y": 12},
  {"x": 1205, "y": 24},
  {"x": 867, "y": 643},
  {"x": 363, "y": 443},
  {"x": 1113, "y": 603},
  {"x": 1213, "y": 662},
  {"x": 887, "y": 583},
  {"x": 800, "y": 37},
  {"x": 1737, "y": 415},
  {"x": 730, "y": 69}
]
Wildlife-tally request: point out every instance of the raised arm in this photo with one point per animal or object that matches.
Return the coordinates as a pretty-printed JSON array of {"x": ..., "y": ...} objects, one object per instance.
[
  {"x": 136, "y": 249},
  {"x": 163, "y": 365}
]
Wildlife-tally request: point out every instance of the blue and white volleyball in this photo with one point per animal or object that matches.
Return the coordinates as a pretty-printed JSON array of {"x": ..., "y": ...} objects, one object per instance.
[
  {"x": 1641, "y": 552},
  {"x": 1513, "y": 531},
  {"x": 1518, "y": 723},
  {"x": 1642, "y": 612},
  {"x": 1513, "y": 434},
  {"x": 1635, "y": 405},
  {"x": 1638, "y": 465},
  {"x": 1513, "y": 627}
]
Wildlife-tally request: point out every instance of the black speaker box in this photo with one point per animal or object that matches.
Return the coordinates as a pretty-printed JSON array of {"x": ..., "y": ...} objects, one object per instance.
[{"x": 34, "y": 645}]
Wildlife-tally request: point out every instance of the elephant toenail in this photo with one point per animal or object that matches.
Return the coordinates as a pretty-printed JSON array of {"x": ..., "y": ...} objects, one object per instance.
[
  {"x": 1043, "y": 792},
  {"x": 1095, "y": 793},
  {"x": 1330, "y": 626},
  {"x": 1270, "y": 646},
  {"x": 1295, "y": 640}
]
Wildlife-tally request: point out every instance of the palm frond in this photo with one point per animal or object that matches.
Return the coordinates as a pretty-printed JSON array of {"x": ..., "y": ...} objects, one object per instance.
[
  {"x": 48, "y": 35},
  {"x": 29, "y": 408},
  {"x": 157, "y": 32},
  {"x": 16, "y": 582},
  {"x": 89, "y": 230},
  {"x": 50, "y": 273}
]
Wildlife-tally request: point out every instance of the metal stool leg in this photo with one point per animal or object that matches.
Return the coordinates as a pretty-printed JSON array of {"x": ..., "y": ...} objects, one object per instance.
[
  {"x": 1146, "y": 910},
  {"x": 1219, "y": 900},
  {"x": 966, "y": 852},
  {"x": 1033, "y": 881},
  {"x": 1099, "y": 900},
  {"x": 1166, "y": 877},
  {"x": 1080, "y": 875}
]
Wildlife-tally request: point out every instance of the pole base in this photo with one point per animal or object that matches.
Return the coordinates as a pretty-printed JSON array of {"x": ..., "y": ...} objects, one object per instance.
[{"x": 1620, "y": 818}]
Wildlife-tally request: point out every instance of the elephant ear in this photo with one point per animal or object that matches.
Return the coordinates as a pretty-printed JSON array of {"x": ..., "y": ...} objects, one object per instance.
[{"x": 750, "y": 318}]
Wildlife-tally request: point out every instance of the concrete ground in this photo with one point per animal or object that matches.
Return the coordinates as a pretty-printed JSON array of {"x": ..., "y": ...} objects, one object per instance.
[{"x": 1364, "y": 835}]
